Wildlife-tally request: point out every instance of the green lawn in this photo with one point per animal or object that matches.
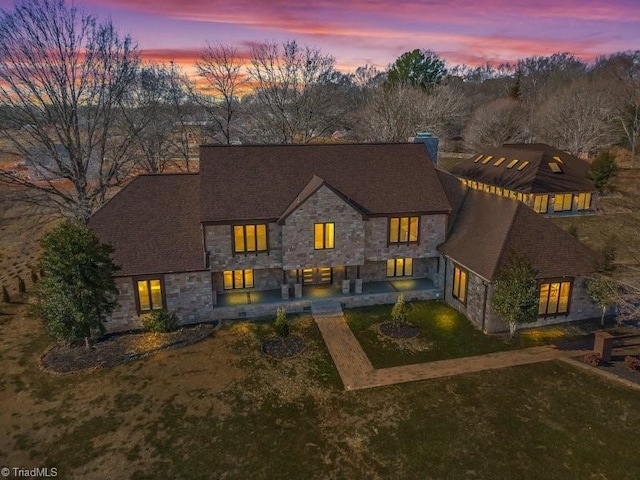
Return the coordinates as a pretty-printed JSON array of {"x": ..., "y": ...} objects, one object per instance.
[
  {"x": 220, "y": 409},
  {"x": 445, "y": 333}
]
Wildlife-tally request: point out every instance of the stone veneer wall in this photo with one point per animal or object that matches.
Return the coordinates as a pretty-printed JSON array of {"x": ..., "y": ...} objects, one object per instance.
[
  {"x": 473, "y": 307},
  {"x": 218, "y": 242},
  {"x": 298, "y": 233},
  {"x": 431, "y": 234},
  {"x": 189, "y": 295},
  {"x": 581, "y": 307}
]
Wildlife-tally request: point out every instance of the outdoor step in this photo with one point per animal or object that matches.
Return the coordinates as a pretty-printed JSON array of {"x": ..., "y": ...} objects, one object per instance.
[{"x": 326, "y": 307}]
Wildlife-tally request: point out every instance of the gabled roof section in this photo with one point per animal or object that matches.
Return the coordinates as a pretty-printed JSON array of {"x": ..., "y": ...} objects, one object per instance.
[
  {"x": 154, "y": 225},
  {"x": 259, "y": 182},
  {"x": 488, "y": 227},
  {"x": 310, "y": 188},
  {"x": 455, "y": 192},
  {"x": 528, "y": 168}
]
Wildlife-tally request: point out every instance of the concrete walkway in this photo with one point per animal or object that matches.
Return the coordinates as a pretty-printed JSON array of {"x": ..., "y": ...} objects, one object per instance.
[{"x": 356, "y": 370}]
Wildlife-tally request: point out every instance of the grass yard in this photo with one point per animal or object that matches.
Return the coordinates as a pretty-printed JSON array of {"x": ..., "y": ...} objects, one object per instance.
[
  {"x": 220, "y": 409},
  {"x": 445, "y": 333}
]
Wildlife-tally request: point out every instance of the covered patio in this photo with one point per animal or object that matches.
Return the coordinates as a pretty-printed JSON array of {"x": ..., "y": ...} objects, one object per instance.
[{"x": 258, "y": 303}]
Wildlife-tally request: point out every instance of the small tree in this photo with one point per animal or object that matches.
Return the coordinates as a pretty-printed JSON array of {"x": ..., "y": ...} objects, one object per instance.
[
  {"x": 399, "y": 311},
  {"x": 602, "y": 170},
  {"x": 77, "y": 292},
  {"x": 515, "y": 295},
  {"x": 602, "y": 292},
  {"x": 281, "y": 324}
]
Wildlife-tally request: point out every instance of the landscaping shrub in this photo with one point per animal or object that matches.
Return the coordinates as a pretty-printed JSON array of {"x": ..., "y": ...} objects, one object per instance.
[
  {"x": 5, "y": 295},
  {"x": 281, "y": 325},
  {"x": 631, "y": 362},
  {"x": 399, "y": 311},
  {"x": 160, "y": 321},
  {"x": 592, "y": 358},
  {"x": 22, "y": 288}
]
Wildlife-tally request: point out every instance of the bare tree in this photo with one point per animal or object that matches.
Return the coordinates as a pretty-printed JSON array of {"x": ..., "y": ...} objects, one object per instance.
[
  {"x": 226, "y": 80},
  {"x": 160, "y": 107},
  {"x": 291, "y": 105},
  {"x": 577, "y": 118},
  {"x": 63, "y": 76},
  {"x": 622, "y": 70},
  {"x": 495, "y": 123}
]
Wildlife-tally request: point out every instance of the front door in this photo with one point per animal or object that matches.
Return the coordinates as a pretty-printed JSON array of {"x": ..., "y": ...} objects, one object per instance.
[{"x": 317, "y": 276}]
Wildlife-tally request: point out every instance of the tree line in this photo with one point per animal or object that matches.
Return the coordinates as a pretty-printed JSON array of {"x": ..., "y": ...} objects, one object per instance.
[{"x": 79, "y": 105}]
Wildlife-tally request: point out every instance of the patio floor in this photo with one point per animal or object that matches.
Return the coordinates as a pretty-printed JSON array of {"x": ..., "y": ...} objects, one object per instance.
[{"x": 318, "y": 292}]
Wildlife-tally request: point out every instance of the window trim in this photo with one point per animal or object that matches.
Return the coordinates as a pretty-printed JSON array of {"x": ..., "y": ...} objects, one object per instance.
[
  {"x": 324, "y": 236},
  {"x": 409, "y": 241},
  {"x": 148, "y": 279},
  {"x": 455, "y": 294},
  {"x": 560, "y": 281},
  {"x": 244, "y": 226},
  {"x": 404, "y": 273}
]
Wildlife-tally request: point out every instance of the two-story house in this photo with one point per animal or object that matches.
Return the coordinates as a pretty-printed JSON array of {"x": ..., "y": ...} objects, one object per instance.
[{"x": 276, "y": 223}]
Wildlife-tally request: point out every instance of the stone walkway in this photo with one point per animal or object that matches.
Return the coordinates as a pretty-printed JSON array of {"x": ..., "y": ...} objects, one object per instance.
[{"x": 356, "y": 370}]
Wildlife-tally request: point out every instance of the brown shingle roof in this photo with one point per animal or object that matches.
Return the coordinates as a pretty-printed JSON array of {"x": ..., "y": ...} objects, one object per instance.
[
  {"x": 154, "y": 225},
  {"x": 260, "y": 182},
  {"x": 455, "y": 192},
  {"x": 488, "y": 227},
  {"x": 536, "y": 177}
]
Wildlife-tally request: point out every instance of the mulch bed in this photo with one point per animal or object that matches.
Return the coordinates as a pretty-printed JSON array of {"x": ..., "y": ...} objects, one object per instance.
[
  {"x": 400, "y": 330},
  {"x": 279, "y": 347},
  {"x": 117, "y": 349}
]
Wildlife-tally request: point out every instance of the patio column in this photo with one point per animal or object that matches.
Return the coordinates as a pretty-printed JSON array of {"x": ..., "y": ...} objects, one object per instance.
[{"x": 358, "y": 281}]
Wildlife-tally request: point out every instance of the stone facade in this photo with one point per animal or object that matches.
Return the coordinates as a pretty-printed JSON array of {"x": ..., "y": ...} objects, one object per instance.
[
  {"x": 431, "y": 234},
  {"x": 298, "y": 233},
  {"x": 219, "y": 244},
  {"x": 188, "y": 295},
  {"x": 479, "y": 311}
]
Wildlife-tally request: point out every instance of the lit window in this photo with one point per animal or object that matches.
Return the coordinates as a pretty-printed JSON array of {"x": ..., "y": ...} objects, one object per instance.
[
  {"x": 499, "y": 191},
  {"x": 558, "y": 159},
  {"x": 553, "y": 298},
  {"x": 234, "y": 279},
  {"x": 460, "y": 284},
  {"x": 473, "y": 184},
  {"x": 520, "y": 197},
  {"x": 480, "y": 186},
  {"x": 541, "y": 203},
  {"x": 250, "y": 238},
  {"x": 478, "y": 159},
  {"x": 323, "y": 236},
  {"x": 583, "y": 201},
  {"x": 403, "y": 229},
  {"x": 499, "y": 162},
  {"x": 487, "y": 188},
  {"x": 562, "y": 202},
  {"x": 492, "y": 189},
  {"x": 523, "y": 165},
  {"x": 512, "y": 163},
  {"x": 150, "y": 295},
  {"x": 399, "y": 267},
  {"x": 513, "y": 195},
  {"x": 487, "y": 159},
  {"x": 555, "y": 168}
]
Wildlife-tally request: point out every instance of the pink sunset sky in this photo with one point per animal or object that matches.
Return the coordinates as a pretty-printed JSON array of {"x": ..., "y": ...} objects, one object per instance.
[{"x": 357, "y": 32}]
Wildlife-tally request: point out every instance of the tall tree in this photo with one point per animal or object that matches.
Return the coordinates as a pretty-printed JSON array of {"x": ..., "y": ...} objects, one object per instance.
[
  {"x": 77, "y": 292},
  {"x": 160, "y": 106},
  {"x": 515, "y": 292},
  {"x": 495, "y": 123},
  {"x": 63, "y": 77},
  {"x": 623, "y": 71},
  {"x": 223, "y": 69},
  {"x": 291, "y": 105},
  {"x": 577, "y": 118},
  {"x": 418, "y": 68}
]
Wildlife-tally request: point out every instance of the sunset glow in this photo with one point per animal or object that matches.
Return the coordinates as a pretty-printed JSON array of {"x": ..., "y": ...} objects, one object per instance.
[{"x": 358, "y": 32}]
